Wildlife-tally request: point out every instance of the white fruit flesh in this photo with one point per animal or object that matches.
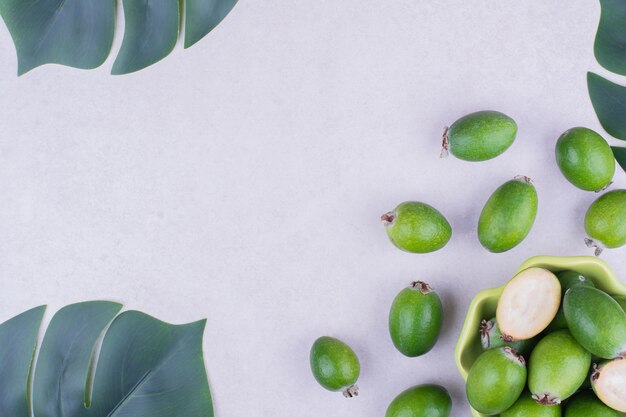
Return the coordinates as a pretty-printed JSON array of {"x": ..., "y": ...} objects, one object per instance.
[
  {"x": 610, "y": 385},
  {"x": 528, "y": 304}
]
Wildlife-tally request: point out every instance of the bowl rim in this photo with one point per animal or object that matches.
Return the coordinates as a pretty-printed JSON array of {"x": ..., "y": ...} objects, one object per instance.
[{"x": 557, "y": 262}]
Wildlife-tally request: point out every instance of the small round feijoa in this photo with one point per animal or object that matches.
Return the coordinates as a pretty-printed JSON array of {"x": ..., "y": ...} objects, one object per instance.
[
  {"x": 585, "y": 159},
  {"x": 335, "y": 366},
  {"x": 596, "y": 320},
  {"x": 525, "y": 406},
  {"x": 557, "y": 368},
  {"x": 605, "y": 221},
  {"x": 417, "y": 227},
  {"x": 415, "y": 319},
  {"x": 528, "y": 303},
  {"x": 421, "y": 401},
  {"x": 491, "y": 337},
  {"x": 480, "y": 136},
  {"x": 609, "y": 383},
  {"x": 496, "y": 380},
  {"x": 586, "y": 404},
  {"x": 508, "y": 216},
  {"x": 568, "y": 279}
]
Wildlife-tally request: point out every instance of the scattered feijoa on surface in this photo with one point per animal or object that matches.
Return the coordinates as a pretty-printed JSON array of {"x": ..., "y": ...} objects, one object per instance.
[
  {"x": 525, "y": 406},
  {"x": 609, "y": 384},
  {"x": 586, "y": 404},
  {"x": 605, "y": 221},
  {"x": 417, "y": 227},
  {"x": 508, "y": 216},
  {"x": 415, "y": 319},
  {"x": 335, "y": 366},
  {"x": 557, "y": 368},
  {"x": 421, "y": 401},
  {"x": 491, "y": 337},
  {"x": 568, "y": 279},
  {"x": 585, "y": 159},
  {"x": 596, "y": 320},
  {"x": 479, "y": 136},
  {"x": 529, "y": 302},
  {"x": 496, "y": 380}
]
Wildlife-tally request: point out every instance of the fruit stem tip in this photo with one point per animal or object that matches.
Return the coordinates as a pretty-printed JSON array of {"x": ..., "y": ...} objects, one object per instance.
[
  {"x": 351, "y": 391},
  {"x": 388, "y": 218},
  {"x": 445, "y": 143}
]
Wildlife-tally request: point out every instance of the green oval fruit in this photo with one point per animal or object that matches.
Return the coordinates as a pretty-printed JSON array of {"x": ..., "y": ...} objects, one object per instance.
[
  {"x": 557, "y": 368},
  {"x": 421, "y": 401},
  {"x": 496, "y": 380},
  {"x": 491, "y": 337},
  {"x": 417, "y": 227},
  {"x": 568, "y": 279},
  {"x": 528, "y": 304},
  {"x": 621, "y": 300},
  {"x": 605, "y": 221},
  {"x": 609, "y": 384},
  {"x": 525, "y": 406},
  {"x": 508, "y": 215},
  {"x": 596, "y": 321},
  {"x": 335, "y": 366},
  {"x": 415, "y": 319},
  {"x": 480, "y": 136},
  {"x": 585, "y": 404},
  {"x": 585, "y": 159}
]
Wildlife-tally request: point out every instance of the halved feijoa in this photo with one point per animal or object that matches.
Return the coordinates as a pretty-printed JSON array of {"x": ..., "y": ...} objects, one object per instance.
[
  {"x": 525, "y": 406},
  {"x": 585, "y": 159},
  {"x": 479, "y": 136},
  {"x": 605, "y": 221},
  {"x": 586, "y": 404},
  {"x": 415, "y": 319},
  {"x": 609, "y": 384},
  {"x": 421, "y": 401},
  {"x": 335, "y": 366},
  {"x": 491, "y": 337},
  {"x": 529, "y": 302},
  {"x": 597, "y": 321},
  {"x": 417, "y": 227},
  {"x": 557, "y": 368},
  {"x": 496, "y": 380},
  {"x": 508, "y": 216}
]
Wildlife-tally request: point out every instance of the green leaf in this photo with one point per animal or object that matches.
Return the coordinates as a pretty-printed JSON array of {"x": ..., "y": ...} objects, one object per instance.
[
  {"x": 78, "y": 33},
  {"x": 151, "y": 34},
  {"x": 18, "y": 340},
  {"x": 610, "y": 44},
  {"x": 203, "y": 16},
  {"x": 609, "y": 102},
  {"x": 145, "y": 367},
  {"x": 620, "y": 156}
]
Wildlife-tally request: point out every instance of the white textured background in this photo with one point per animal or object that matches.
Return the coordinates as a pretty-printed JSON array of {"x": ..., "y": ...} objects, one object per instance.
[{"x": 242, "y": 180}]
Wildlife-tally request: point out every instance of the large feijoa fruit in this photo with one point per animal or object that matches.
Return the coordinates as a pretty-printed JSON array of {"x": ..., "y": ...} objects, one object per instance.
[
  {"x": 421, "y": 401},
  {"x": 568, "y": 279},
  {"x": 417, "y": 227},
  {"x": 605, "y": 221},
  {"x": 525, "y": 406},
  {"x": 479, "y": 136},
  {"x": 529, "y": 302},
  {"x": 609, "y": 383},
  {"x": 597, "y": 321},
  {"x": 491, "y": 337},
  {"x": 585, "y": 159},
  {"x": 496, "y": 380},
  {"x": 557, "y": 368},
  {"x": 508, "y": 215},
  {"x": 585, "y": 404},
  {"x": 335, "y": 366},
  {"x": 415, "y": 319}
]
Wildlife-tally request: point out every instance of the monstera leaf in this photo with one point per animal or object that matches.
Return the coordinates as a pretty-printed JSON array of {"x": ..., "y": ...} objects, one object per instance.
[
  {"x": 145, "y": 367},
  {"x": 79, "y": 33},
  {"x": 609, "y": 102}
]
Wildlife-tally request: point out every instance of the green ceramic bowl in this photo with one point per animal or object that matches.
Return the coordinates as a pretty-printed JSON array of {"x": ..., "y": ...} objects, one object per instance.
[{"x": 483, "y": 306}]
